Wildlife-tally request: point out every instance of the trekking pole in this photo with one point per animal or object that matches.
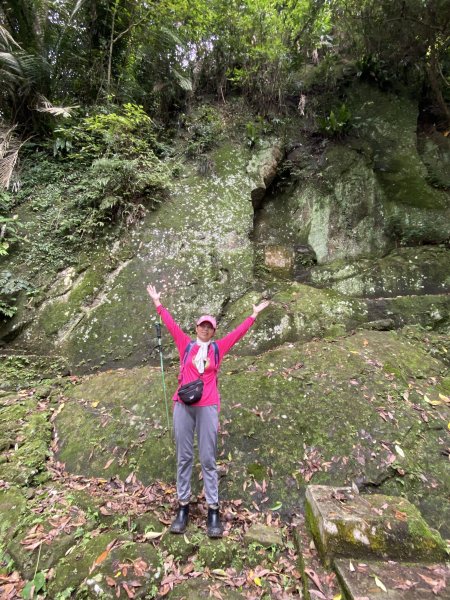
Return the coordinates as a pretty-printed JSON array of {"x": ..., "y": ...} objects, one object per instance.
[{"x": 158, "y": 335}]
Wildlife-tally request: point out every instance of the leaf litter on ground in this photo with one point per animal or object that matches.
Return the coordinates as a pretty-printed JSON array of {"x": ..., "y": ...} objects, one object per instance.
[{"x": 278, "y": 576}]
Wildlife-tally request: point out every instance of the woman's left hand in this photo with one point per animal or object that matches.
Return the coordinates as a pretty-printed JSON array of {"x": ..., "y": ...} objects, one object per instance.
[{"x": 257, "y": 308}]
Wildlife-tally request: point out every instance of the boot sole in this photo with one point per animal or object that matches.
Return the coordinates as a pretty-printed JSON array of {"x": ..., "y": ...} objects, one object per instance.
[
  {"x": 178, "y": 531},
  {"x": 212, "y": 534}
]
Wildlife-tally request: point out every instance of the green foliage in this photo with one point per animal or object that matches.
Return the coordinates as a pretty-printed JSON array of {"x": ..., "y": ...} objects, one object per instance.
[
  {"x": 375, "y": 69},
  {"x": 118, "y": 189},
  {"x": 34, "y": 587},
  {"x": 161, "y": 55},
  {"x": 111, "y": 191},
  {"x": 10, "y": 286},
  {"x": 124, "y": 178},
  {"x": 9, "y": 227},
  {"x": 127, "y": 131},
  {"x": 204, "y": 129},
  {"x": 336, "y": 124},
  {"x": 254, "y": 130}
]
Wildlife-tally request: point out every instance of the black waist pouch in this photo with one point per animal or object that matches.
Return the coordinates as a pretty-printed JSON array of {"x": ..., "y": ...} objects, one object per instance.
[{"x": 190, "y": 393}]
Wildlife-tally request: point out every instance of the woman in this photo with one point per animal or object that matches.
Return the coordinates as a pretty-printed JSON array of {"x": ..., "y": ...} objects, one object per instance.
[{"x": 199, "y": 360}]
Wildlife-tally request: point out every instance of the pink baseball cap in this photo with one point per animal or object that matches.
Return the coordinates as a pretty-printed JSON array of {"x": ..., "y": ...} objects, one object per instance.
[{"x": 208, "y": 319}]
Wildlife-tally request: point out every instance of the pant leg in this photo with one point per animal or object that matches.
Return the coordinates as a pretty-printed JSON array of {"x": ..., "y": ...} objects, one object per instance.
[
  {"x": 184, "y": 428},
  {"x": 207, "y": 427}
]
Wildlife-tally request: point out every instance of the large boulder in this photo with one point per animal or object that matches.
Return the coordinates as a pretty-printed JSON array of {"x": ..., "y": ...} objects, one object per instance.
[
  {"x": 365, "y": 195},
  {"x": 263, "y": 168},
  {"x": 195, "y": 249},
  {"x": 296, "y": 313}
]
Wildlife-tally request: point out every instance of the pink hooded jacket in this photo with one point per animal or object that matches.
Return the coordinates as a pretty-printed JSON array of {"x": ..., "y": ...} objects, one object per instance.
[{"x": 189, "y": 372}]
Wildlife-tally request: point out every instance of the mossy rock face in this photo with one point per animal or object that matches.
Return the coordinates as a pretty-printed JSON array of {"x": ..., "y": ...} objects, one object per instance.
[
  {"x": 303, "y": 412},
  {"x": 217, "y": 554},
  {"x": 405, "y": 271},
  {"x": 25, "y": 435},
  {"x": 428, "y": 311},
  {"x": 49, "y": 555},
  {"x": 13, "y": 506},
  {"x": 262, "y": 169},
  {"x": 24, "y": 371},
  {"x": 146, "y": 522},
  {"x": 434, "y": 150},
  {"x": 403, "y": 581},
  {"x": 182, "y": 546},
  {"x": 346, "y": 524},
  {"x": 58, "y": 523},
  {"x": 389, "y": 123},
  {"x": 121, "y": 418},
  {"x": 296, "y": 313},
  {"x": 71, "y": 570},
  {"x": 195, "y": 249},
  {"x": 263, "y": 535},
  {"x": 364, "y": 195},
  {"x": 143, "y": 572},
  {"x": 336, "y": 212}
]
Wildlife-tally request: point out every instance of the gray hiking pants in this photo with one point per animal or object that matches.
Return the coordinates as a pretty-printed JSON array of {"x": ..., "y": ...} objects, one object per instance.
[{"x": 186, "y": 420}]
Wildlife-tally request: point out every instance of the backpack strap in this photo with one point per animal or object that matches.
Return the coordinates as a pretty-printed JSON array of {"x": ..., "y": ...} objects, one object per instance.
[
  {"x": 216, "y": 353},
  {"x": 186, "y": 352},
  {"x": 189, "y": 348}
]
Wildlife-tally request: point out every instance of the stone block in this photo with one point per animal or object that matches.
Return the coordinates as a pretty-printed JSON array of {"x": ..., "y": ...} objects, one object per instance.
[
  {"x": 279, "y": 258},
  {"x": 347, "y": 524},
  {"x": 263, "y": 535},
  {"x": 375, "y": 580},
  {"x": 262, "y": 170},
  {"x": 316, "y": 578}
]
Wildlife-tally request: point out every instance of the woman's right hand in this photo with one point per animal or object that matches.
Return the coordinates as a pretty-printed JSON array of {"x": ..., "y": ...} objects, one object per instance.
[{"x": 154, "y": 295}]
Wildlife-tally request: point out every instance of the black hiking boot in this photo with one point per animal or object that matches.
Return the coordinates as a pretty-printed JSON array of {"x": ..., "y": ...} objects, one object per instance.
[
  {"x": 213, "y": 524},
  {"x": 180, "y": 522}
]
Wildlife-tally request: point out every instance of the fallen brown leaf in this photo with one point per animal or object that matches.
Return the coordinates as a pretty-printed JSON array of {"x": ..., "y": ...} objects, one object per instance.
[
  {"x": 314, "y": 577},
  {"x": 129, "y": 591}
]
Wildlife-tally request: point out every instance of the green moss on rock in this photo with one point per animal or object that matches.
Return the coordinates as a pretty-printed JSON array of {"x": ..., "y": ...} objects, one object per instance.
[
  {"x": 404, "y": 271},
  {"x": 317, "y": 403},
  {"x": 195, "y": 589},
  {"x": 297, "y": 313},
  {"x": 217, "y": 554},
  {"x": 13, "y": 507},
  {"x": 182, "y": 546},
  {"x": 128, "y": 554},
  {"x": 71, "y": 570},
  {"x": 26, "y": 438}
]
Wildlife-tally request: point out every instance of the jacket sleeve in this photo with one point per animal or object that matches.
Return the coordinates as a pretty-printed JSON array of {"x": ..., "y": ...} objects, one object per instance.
[
  {"x": 180, "y": 338},
  {"x": 227, "y": 342}
]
